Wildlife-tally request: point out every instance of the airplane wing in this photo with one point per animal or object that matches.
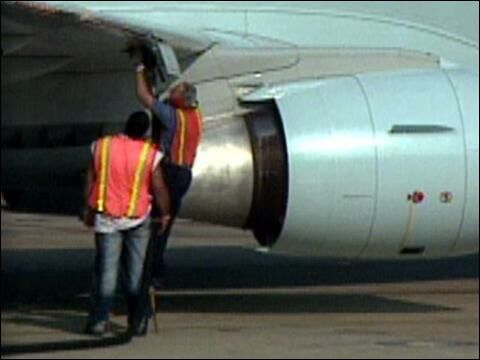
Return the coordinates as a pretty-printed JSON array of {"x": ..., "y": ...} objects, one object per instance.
[{"x": 40, "y": 38}]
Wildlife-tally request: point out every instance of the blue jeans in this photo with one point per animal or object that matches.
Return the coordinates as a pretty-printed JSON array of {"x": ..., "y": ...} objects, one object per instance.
[
  {"x": 178, "y": 180},
  {"x": 126, "y": 249}
]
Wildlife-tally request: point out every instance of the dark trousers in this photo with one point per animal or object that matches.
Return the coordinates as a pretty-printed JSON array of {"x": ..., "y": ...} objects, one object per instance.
[
  {"x": 127, "y": 249},
  {"x": 178, "y": 180}
]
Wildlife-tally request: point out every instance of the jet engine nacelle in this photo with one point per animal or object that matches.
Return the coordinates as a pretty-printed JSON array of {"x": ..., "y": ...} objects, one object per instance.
[{"x": 374, "y": 166}]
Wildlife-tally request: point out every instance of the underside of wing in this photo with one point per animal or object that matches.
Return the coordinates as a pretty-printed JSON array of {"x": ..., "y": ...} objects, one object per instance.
[{"x": 38, "y": 39}]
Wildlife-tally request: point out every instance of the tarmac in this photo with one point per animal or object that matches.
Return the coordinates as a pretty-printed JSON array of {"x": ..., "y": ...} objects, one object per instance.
[{"x": 225, "y": 299}]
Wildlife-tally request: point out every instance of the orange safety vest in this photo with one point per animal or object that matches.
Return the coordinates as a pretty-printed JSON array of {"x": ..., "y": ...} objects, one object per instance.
[
  {"x": 123, "y": 183},
  {"x": 187, "y": 137}
]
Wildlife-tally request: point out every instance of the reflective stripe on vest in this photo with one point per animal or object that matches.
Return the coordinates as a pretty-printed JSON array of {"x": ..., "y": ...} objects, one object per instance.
[
  {"x": 105, "y": 152},
  {"x": 183, "y": 130},
  {"x": 139, "y": 179},
  {"x": 187, "y": 137}
]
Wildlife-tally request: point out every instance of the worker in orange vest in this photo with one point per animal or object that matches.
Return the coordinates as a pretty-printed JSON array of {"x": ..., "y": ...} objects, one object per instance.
[
  {"x": 123, "y": 179},
  {"x": 181, "y": 121}
]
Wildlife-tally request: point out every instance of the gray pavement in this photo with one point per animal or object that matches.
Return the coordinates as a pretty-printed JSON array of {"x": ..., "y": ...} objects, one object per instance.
[{"x": 223, "y": 299}]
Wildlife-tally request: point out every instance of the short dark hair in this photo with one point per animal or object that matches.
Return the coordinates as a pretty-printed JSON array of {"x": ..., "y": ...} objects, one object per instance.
[{"x": 137, "y": 125}]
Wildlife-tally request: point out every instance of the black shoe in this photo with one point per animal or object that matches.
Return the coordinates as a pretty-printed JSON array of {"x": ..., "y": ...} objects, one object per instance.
[
  {"x": 97, "y": 329},
  {"x": 140, "y": 329}
]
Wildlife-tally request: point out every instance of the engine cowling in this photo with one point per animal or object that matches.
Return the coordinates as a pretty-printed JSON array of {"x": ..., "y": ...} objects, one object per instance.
[{"x": 374, "y": 166}]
